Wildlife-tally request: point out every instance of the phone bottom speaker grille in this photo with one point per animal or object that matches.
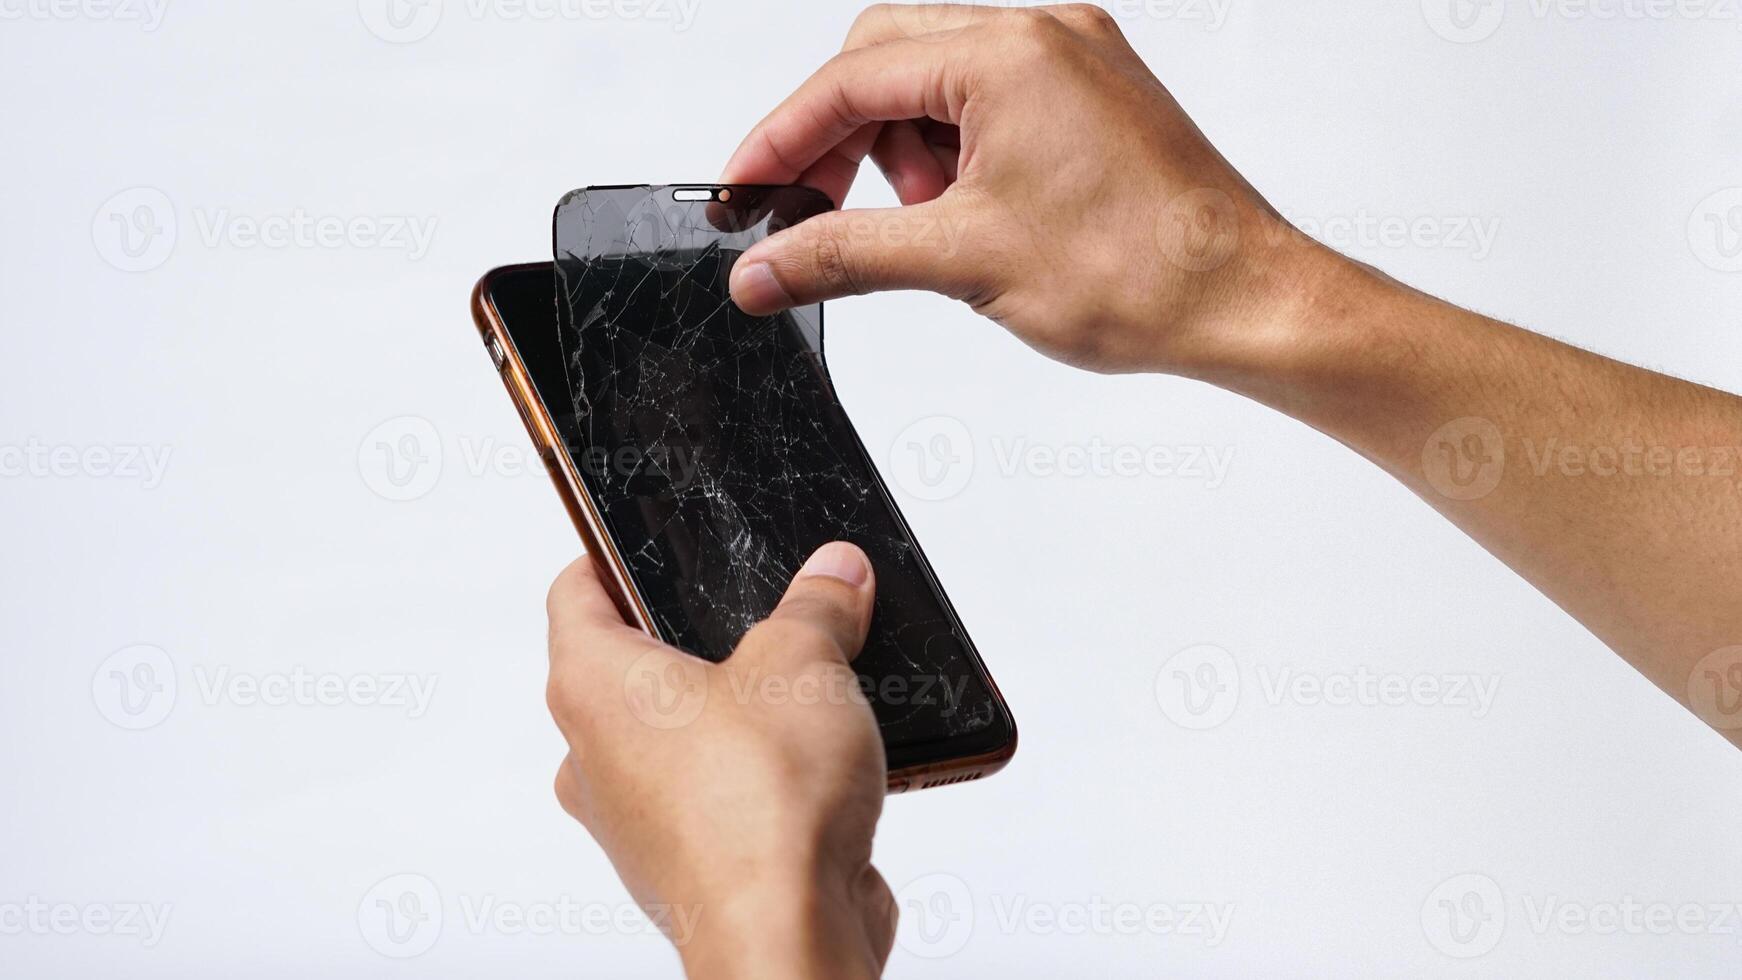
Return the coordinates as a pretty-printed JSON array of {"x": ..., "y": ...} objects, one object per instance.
[{"x": 949, "y": 780}]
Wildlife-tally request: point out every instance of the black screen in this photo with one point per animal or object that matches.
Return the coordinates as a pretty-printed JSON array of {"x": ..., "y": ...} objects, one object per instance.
[{"x": 713, "y": 447}]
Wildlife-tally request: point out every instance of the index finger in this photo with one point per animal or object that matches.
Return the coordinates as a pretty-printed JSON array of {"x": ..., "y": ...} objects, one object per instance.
[
  {"x": 591, "y": 648},
  {"x": 900, "y": 79},
  {"x": 587, "y": 633},
  {"x": 578, "y": 603}
]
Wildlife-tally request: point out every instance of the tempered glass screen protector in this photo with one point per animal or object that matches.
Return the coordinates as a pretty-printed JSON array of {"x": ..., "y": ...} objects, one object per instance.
[{"x": 718, "y": 457}]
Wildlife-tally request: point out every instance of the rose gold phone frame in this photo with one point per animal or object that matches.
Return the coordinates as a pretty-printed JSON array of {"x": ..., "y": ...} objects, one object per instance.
[{"x": 597, "y": 541}]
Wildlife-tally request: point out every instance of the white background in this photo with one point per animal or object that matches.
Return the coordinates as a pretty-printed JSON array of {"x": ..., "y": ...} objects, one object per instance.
[{"x": 1331, "y": 830}]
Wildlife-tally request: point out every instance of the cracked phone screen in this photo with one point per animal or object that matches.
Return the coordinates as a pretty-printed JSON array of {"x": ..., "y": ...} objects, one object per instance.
[{"x": 717, "y": 454}]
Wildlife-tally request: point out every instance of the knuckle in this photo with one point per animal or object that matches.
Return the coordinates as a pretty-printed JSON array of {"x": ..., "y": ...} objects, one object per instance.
[
  {"x": 563, "y": 784},
  {"x": 872, "y": 15},
  {"x": 568, "y": 791},
  {"x": 1030, "y": 22},
  {"x": 1086, "y": 15},
  {"x": 566, "y": 698}
]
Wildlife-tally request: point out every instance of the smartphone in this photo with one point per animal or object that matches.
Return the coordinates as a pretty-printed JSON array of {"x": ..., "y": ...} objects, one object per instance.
[{"x": 702, "y": 454}]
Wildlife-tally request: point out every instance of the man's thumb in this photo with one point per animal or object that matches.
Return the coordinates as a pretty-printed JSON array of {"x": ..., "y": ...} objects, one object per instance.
[
  {"x": 848, "y": 253},
  {"x": 826, "y": 610}
]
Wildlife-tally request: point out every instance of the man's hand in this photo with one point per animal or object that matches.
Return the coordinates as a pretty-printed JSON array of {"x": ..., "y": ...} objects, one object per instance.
[
  {"x": 737, "y": 798},
  {"x": 1048, "y": 180}
]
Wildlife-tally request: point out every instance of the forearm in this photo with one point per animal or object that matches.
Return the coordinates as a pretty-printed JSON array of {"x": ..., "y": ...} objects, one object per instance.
[{"x": 1614, "y": 490}]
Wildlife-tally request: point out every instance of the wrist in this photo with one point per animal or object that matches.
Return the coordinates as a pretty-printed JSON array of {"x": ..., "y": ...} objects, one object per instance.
[
  {"x": 1288, "y": 313},
  {"x": 790, "y": 925},
  {"x": 1342, "y": 347}
]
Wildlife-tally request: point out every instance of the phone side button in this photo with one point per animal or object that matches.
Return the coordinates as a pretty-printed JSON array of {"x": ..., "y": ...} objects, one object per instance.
[{"x": 497, "y": 354}]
